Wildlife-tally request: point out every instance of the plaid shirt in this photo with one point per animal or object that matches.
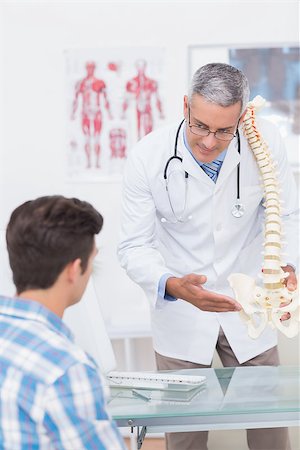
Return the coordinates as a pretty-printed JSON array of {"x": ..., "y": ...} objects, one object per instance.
[{"x": 51, "y": 392}]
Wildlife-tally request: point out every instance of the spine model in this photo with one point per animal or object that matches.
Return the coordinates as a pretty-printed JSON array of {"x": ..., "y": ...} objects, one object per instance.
[{"x": 262, "y": 305}]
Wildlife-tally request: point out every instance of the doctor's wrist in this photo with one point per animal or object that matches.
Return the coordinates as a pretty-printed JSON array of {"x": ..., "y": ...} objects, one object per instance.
[{"x": 172, "y": 285}]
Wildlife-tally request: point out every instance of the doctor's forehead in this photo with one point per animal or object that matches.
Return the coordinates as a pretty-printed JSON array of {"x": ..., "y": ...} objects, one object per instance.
[{"x": 200, "y": 106}]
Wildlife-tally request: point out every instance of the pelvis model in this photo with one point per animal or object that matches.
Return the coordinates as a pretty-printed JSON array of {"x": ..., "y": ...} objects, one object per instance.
[{"x": 262, "y": 305}]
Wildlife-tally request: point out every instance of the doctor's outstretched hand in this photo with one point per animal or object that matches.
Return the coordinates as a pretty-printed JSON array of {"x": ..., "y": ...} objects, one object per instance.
[{"x": 190, "y": 288}]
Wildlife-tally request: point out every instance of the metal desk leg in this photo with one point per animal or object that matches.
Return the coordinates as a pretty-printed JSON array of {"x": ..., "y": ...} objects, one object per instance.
[{"x": 140, "y": 436}]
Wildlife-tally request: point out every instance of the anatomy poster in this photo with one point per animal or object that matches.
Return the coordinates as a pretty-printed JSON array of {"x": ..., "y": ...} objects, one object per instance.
[{"x": 114, "y": 98}]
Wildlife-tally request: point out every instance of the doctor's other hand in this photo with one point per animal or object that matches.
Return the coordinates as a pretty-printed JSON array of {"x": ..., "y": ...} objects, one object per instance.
[
  {"x": 190, "y": 288},
  {"x": 291, "y": 284},
  {"x": 291, "y": 279}
]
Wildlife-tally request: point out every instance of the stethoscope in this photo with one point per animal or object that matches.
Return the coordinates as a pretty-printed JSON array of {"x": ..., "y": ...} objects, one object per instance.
[{"x": 238, "y": 209}]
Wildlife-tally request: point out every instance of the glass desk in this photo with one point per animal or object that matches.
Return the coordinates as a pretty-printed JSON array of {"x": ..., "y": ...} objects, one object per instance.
[{"x": 232, "y": 398}]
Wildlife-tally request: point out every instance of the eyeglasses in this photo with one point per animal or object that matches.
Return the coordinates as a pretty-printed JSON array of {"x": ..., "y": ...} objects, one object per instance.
[{"x": 203, "y": 131}]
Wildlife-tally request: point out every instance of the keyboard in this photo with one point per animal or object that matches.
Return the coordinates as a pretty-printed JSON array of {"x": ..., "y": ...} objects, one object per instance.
[{"x": 152, "y": 380}]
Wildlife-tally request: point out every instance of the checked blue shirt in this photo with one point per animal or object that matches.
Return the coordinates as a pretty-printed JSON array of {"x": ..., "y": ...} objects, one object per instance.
[{"x": 52, "y": 395}]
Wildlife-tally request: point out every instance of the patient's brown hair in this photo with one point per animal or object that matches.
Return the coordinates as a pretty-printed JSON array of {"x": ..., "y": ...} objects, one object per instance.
[{"x": 45, "y": 234}]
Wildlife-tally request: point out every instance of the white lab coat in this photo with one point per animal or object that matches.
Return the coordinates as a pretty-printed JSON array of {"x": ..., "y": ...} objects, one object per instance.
[{"x": 212, "y": 242}]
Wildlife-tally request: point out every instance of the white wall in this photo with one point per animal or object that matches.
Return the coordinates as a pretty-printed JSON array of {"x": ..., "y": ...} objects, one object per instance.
[{"x": 33, "y": 105}]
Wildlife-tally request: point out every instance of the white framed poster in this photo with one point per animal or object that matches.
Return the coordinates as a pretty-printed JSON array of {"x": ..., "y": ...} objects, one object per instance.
[
  {"x": 115, "y": 96},
  {"x": 273, "y": 72}
]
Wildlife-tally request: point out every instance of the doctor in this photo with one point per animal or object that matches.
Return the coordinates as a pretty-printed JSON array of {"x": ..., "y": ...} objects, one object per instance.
[{"x": 192, "y": 215}]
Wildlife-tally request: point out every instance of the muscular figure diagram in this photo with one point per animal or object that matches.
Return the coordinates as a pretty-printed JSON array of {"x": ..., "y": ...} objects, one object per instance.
[
  {"x": 117, "y": 143},
  {"x": 143, "y": 89},
  {"x": 91, "y": 89}
]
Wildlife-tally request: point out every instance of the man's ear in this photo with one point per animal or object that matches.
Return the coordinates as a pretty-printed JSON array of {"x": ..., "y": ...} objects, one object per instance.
[
  {"x": 73, "y": 269},
  {"x": 185, "y": 106},
  {"x": 242, "y": 116}
]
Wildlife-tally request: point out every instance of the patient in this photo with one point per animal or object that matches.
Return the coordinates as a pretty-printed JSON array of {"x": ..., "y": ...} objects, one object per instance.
[{"x": 51, "y": 392}]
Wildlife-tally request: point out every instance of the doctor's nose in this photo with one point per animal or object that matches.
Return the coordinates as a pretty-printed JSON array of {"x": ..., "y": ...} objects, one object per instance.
[{"x": 209, "y": 141}]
